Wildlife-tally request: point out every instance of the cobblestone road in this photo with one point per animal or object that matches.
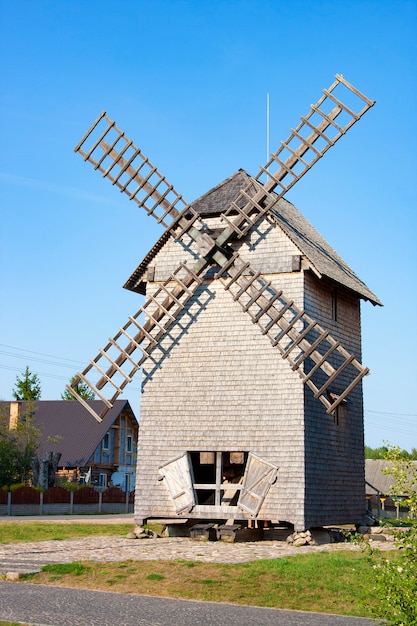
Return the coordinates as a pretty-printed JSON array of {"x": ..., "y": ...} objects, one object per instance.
[{"x": 31, "y": 556}]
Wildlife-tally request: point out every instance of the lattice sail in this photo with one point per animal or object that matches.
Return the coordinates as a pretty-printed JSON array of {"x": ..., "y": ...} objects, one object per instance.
[
  {"x": 122, "y": 357},
  {"x": 308, "y": 348},
  {"x": 108, "y": 149},
  {"x": 326, "y": 122},
  {"x": 320, "y": 360}
]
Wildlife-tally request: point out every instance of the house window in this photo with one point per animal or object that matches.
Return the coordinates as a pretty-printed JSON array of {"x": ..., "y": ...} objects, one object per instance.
[
  {"x": 129, "y": 483},
  {"x": 106, "y": 441},
  {"x": 129, "y": 443},
  {"x": 102, "y": 481}
]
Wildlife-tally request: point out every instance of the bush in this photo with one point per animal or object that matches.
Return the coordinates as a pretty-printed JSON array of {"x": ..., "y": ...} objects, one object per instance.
[
  {"x": 16, "y": 486},
  {"x": 69, "y": 486},
  {"x": 396, "y": 582}
]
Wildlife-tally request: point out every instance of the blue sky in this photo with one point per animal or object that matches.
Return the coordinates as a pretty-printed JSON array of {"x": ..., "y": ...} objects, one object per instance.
[{"x": 187, "y": 81}]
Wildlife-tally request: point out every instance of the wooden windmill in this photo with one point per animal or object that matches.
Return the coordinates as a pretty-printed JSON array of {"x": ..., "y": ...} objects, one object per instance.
[{"x": 249, "y": 340}]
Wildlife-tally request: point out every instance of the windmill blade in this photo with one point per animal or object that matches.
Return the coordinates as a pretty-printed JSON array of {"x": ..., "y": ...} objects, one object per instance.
[
  {"x": 124, "y": 354},
  {"x": 108, "y": 149},
  {"x": 326, "y": 122},
  {"x": 311, "y": 351}
]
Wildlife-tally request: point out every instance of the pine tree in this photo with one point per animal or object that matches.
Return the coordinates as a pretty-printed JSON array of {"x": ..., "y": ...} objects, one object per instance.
[
  {"x": 82, "y": 389},
  {"x": 28, "y": 387}
]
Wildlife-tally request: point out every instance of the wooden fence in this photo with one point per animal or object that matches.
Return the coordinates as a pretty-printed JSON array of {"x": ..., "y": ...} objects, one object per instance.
[{"x": 60, "y": 501}]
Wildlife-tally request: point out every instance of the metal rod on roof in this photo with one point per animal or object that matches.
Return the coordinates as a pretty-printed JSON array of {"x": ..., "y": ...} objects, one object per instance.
[{"x": 267, "y": 127}]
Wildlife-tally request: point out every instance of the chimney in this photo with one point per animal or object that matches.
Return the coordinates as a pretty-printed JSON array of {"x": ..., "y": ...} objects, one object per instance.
[{"x": 14, "y": 415}]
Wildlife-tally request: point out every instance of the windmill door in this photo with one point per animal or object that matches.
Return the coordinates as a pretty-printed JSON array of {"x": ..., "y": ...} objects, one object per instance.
[
  {"x": 178, "y": 478},
  {"x": 259, "y": 476}
]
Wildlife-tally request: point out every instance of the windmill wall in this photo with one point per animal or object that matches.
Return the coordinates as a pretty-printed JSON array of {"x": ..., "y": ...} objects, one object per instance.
[
  {"x": 334, "y": 444},
  {"x": 216, "y": 384}
]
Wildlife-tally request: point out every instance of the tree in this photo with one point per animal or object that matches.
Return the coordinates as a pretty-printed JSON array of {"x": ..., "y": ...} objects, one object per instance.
[
  {"x": 18, "y": 445},
  {"x": 28, "y": 387},
  {"x": 375, "y": 453},
  {"x": 381, "y": 453},
  {"x": 405, "y": 473},
  {"x": 396, "y": 578},
  {"x": 82, "y": 389}
]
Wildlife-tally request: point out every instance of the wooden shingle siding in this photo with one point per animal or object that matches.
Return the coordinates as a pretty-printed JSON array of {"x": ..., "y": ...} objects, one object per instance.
[
  {"x": 222, "y": 387},
  {"x": 218, "y": 392},
  {"x": 335, "y": 488}
]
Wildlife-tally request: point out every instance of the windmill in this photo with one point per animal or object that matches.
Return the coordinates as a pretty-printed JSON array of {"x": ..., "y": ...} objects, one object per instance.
[{"x": 211, "y": 444}]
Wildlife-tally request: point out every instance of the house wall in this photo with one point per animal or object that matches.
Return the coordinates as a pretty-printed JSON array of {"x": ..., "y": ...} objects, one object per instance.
[
  {"x": 107, "y": 461},
  {"x": 334, "y": 445}
]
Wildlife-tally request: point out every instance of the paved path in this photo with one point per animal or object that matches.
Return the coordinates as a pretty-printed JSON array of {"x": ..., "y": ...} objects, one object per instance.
[
  {"x": 31, "y": 556},
  {"x": 41, "y": 605}
]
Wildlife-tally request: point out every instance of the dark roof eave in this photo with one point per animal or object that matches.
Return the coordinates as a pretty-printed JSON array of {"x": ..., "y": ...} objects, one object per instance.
[{"x": 135, "y": 282}]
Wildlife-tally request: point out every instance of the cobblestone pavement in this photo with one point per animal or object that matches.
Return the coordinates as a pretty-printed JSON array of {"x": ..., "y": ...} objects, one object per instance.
[{"x": 31, "y": 556}]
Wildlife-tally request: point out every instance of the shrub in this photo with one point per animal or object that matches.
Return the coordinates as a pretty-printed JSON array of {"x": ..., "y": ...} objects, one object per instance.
[
  {"x": 16, "y": 486},
  {"x": 396, "y": 581}
]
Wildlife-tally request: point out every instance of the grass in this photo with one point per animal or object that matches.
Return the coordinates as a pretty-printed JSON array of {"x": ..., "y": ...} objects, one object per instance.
[
  {"x": 47, "y": 531},
  {"x": 329, "y": 582}
]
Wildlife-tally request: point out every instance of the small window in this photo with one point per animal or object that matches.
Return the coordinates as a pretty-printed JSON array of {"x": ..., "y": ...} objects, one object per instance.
[
  {"x": 339, "y": 412},
  {"x": 334, "y": 304},
  {"x": 106, "y": 442},
  {"x": 102, "y": 481},
  {"x": 129, "y": 443}
]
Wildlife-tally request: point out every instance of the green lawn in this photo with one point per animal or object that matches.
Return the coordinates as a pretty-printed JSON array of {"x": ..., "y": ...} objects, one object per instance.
[{"x": 43, "y": 531}]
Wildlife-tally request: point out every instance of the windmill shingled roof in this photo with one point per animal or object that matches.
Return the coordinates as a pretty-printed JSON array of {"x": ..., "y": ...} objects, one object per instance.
[
  {"x": 323, "y": 259},
  {"x": 80, "y": 433}
]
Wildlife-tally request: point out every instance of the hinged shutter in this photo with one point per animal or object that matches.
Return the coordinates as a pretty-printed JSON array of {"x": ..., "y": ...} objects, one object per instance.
[
  {"x": 177, "y": 475},
  {"x": 259, "y": 476}
]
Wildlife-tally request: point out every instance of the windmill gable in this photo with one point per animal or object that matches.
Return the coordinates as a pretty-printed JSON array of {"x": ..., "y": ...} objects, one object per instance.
[{"x": 307, "y": 243}]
